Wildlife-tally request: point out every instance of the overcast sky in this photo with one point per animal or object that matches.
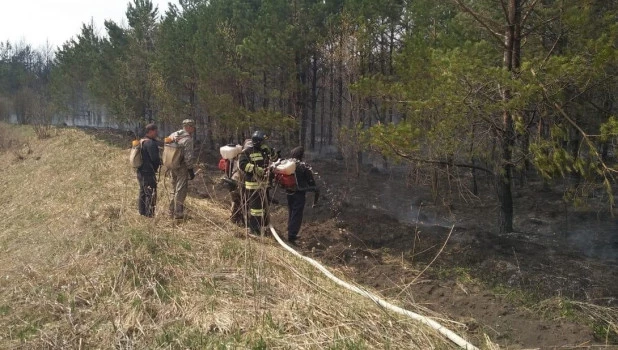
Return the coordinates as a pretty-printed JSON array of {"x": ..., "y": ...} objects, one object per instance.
[{"x": 37, "y": 21}]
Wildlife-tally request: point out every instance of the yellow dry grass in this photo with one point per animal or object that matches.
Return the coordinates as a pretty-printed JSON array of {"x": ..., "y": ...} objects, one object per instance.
[{"x": 80, "y": 269}]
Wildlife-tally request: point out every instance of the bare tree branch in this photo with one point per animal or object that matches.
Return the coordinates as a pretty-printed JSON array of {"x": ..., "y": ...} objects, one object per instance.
[
  {"x": 527, "y": 14},
  {"x": 598, "y": 108},
  {"x": 531, "y": 30},
  {"x": 553, "y": 47},
  {"x": 433, "y": 161}
]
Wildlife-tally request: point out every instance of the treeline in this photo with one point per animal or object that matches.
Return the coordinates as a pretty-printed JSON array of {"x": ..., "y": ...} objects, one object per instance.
[
  {"x": 25, "y": 74},
  {"x": 503, "y": 88}
]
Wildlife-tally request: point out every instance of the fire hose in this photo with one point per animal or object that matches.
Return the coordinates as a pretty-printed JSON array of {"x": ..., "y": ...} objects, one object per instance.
[{"x": 452, "y": 336}]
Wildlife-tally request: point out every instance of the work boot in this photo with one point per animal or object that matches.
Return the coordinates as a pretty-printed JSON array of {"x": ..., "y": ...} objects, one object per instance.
[
  {"x": 171, "y": 209},
  {"x": 293, "y": 241},
  {"x": 254, "y": 233},
  {"x": 178, "y": 212}
]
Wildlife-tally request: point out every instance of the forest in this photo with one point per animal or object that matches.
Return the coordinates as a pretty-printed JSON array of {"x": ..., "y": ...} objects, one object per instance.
[{"x": 474, "y": 90}]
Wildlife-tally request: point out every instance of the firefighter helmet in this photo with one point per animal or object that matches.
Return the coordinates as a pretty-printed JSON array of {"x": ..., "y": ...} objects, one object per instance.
[{"x": 258, "y": 137}]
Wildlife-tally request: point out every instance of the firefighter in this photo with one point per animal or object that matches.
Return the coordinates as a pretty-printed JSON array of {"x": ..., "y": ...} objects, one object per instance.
[
  {"x": 305, "y": 182},
  {"x": 185, "y": 172},
  {"x": 253, "y": 162}
]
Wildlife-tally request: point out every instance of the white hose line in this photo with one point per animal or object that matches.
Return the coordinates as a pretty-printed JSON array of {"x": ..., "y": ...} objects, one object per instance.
[{"x": 422, "y": 319}]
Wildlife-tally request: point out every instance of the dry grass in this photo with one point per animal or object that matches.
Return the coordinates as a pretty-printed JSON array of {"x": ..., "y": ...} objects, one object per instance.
[
  {"x": 80, "y": 269},
  {"x": 603, "y": 321},
  {"x": 10, "y": 138}
]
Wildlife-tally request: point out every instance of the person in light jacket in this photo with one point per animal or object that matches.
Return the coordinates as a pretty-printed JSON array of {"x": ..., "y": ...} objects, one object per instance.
[{"x": 182, "y": 175}]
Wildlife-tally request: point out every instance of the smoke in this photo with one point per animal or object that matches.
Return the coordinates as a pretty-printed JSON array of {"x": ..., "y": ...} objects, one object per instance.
[
  {"x": 595, "y": 238},
  {"x": 407, "y": 207}
]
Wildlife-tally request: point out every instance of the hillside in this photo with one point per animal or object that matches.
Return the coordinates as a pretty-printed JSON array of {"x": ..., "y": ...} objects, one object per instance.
[{"x": 80, "y": 269}]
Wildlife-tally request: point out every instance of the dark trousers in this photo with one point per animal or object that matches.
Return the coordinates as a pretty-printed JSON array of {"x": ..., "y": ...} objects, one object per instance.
[
  {"x": 237, "y": 208},
  {"x": 147, "y": 194},
  {"x": 296, "y": 207},
  {"x": 257, "y": 209}
]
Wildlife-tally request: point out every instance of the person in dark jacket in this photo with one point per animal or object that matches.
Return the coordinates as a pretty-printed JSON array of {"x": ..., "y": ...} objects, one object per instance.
[
  {"x": 254, "y": 162},
  {"x": 305, "y": 182},
  {"x": 146, "y": 174}
]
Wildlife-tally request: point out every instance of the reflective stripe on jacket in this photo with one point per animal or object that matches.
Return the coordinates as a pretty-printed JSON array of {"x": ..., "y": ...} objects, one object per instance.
[{"x": 251, "y": 158}]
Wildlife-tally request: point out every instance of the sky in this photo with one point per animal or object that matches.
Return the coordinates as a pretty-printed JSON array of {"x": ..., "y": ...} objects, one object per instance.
[{"x": 56, "y": 21}]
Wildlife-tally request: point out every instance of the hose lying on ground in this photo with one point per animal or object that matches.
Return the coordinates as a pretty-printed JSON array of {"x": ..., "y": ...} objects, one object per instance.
[{"x": 422, "y": 319}]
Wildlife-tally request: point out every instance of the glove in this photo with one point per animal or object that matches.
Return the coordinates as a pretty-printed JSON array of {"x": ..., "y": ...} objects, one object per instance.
[
  {"x": 191, "y": 174},
  {"x": 259, "y": 172},
  {"x": 316, "y": 197}
]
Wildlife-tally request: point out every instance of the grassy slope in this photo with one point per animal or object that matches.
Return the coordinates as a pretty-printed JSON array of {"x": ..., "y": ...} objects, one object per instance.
[{"x": 80, "y": 268}]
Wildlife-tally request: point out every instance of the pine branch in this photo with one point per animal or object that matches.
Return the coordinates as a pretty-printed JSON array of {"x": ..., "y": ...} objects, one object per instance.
[
  {"x": 482, "y": 21},
  {"x": 606, "y": 170}
]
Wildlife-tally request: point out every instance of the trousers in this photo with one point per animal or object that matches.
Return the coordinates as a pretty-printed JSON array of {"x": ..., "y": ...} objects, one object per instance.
[
  {"x": 179, "y": 190},
  {"x": 147, "y": 199},
  {"x": 296, "y": 208},
  {"x": 256, "y": 200},
  {"x": 237, "y": 211}
]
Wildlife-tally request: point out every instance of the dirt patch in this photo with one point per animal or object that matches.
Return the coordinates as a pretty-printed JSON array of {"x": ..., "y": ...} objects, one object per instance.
[{"x": 362, "y": 244}]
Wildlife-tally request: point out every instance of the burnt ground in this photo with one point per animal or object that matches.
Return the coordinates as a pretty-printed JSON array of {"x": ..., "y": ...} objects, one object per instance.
[{"x": 524, "y": 290}]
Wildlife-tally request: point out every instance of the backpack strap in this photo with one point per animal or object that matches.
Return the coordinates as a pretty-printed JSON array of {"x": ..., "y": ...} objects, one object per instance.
[{"x": 141, "y": 145}]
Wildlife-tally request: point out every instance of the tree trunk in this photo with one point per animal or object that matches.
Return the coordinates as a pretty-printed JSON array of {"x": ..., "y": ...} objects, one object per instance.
[
  {"x": 512, "y": 54},
  {"x": 314, "y": 100},
  {"x": 525, "y": 145},
  {"x": 332, "y": 106},
  {"x": 475, "y": 186},
  {"x": 340, "y": 87},
  {"x": 209, "y": 133},
  {"x": 266, "y": 101},
  {"x": 505, "y": 176},
  {"x": 340, "y": 97},
  {"x": 301, "y": 101},
  {"x": 322, "y": 112}
]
